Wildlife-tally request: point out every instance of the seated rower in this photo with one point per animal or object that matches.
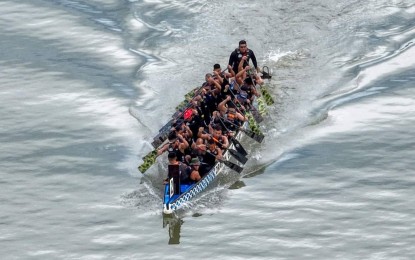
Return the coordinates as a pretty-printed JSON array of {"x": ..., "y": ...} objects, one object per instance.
[
  {"x": 202, "y": 136},
  {"x": 212, "y": 148},
  {"x": 184, "y": 170},
  {"x": 222, "y": 76},
  {"x": 247, "y": 92},
  {"x": 217, "y": 71},
  {"x": 215, "y": 133},
  {"x": 183, "y": 129},
  {"x": 176, "y": 144},
  {"x": 224, "y": 108},
  {"x": 247, "y": 72},
  {"x": 194, "y": 170},
  {"x": 212, "y": 100},
  {"x": 209, "y": 152},
  {"x": 217, "y": 136},
  {"x": 211, "y": 83},
  {"x": 193, "y": 119},
  {"x": 230, "y": 120}
]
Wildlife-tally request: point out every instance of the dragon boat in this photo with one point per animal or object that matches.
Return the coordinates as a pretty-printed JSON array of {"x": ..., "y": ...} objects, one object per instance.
[{"x": 176, "y": 194}]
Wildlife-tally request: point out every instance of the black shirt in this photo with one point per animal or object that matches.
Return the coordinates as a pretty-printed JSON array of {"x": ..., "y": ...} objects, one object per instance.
[{"x": 236, "y": 57}]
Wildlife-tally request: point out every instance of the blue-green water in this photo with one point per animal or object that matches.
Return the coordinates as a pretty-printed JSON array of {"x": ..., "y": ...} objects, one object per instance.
[{"x": 334, "y": 178}]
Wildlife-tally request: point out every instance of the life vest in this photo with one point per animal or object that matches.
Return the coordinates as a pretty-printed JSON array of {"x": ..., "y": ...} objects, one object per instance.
[
  {"x": 240, "y": 55},
  {"x": 231, "y": 114}
]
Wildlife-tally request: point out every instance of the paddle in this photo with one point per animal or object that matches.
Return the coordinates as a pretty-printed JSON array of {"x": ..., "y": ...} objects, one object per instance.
[
  {"x": 238, "y": 156},
  {"x": 264, "y": 91},
  {"x": 229, "y": 164},
  {"x": 238, "y": 146},
  {"x": 267, "y": 96},
  {"x": 256, "y": 136},
  {"x": 148, "y": 161},
  {"x": 159, "y": 139},
  {"x": 232, "y": 166},
  {"x": 256, "y": 114}
]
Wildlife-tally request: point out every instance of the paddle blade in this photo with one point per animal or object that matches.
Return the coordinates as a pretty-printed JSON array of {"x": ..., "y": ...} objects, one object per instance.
[
  {"x": 238, "y": 156},
  {"x": 233, "y": 166},
  {"x": 156, "y": 143},
  {"x": 238, "y": 146},
  {"x": 257, "y": 115},
  {"x": 159, "y": 139},
  {"x": 259, "y": 138},
  {"x": 262, "y": 106},
  {"x": 148, "y": 161},
  {"x": 256, "y": 136},
  {"x": 267, "y": 96}
]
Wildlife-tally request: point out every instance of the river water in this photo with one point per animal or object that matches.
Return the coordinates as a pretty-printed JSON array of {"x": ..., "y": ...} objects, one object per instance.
[{"x": 85, "y": 85}]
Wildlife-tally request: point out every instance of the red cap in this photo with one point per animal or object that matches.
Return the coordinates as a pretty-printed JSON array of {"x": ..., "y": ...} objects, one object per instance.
[{"x": 187, "y": 114}]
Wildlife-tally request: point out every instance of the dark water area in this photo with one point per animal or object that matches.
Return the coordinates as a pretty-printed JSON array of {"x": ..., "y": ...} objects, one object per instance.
[{"x": 85, "y": 86}]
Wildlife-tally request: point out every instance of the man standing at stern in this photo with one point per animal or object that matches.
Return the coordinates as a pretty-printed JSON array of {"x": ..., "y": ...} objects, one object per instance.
[{"x": 240, "y": 52}]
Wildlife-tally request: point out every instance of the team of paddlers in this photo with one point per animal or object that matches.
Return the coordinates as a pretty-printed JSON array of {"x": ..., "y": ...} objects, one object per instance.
[{"x": 218, "y": 108}]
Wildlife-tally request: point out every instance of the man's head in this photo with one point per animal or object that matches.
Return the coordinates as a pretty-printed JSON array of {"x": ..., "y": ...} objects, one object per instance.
[
  {"x": 243, "y": 46},
  {"x": 217, "y": 130},
  {"x": 249, "y": 81},
  {"x": 172, "y": 157},
  {"x": 208, "y": 76},
  {"x": 173, "y": 140},
  {"x": 211, "y": 144},
  {"x": 172, "y": 136},
  {"x": 217, "y": 68}
]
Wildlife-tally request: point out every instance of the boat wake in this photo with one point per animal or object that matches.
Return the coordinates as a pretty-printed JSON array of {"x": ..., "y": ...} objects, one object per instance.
[{"x": 147, "y": 197}]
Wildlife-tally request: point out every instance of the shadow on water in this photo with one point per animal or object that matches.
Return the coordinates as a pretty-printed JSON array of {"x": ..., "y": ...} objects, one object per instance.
[
  {"x": 256, "y": 172},
  {"x": 237, "y": 185},
  {"x": 174, "y": 224}
]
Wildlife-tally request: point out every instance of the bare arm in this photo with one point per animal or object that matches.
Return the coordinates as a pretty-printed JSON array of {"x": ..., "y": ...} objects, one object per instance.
[
  {"x": 201, "y": 133},
  {"x": 184, "y": 144},
  {"x": 163, "y": 149},
  {"x": 221, "y": 106},
  {"x": 219, "y": 155},
  {"x": 231, "y": 72}
]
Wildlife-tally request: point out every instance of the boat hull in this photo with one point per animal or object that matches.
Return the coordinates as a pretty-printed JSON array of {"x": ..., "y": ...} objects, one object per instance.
[{"x": 172, "y": 203}]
